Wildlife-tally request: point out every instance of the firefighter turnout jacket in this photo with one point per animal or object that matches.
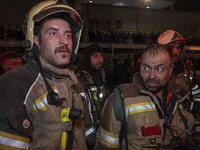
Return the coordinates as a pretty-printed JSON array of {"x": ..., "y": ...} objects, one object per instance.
[
  {"x": 150, "y": 125},
  {"x": 93, "y": 97},
  {"x": 27, "y": 121},
  {"x": 187, "y": 78}
]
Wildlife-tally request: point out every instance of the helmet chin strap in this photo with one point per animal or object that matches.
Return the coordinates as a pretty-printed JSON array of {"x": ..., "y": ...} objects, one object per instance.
[{"x": 52, "y": 97}]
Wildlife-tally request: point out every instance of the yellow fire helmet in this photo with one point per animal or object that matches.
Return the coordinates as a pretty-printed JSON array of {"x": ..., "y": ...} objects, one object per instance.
[
  {"x": 170, "y": 36},
  {"x": 50, "y": 7}
]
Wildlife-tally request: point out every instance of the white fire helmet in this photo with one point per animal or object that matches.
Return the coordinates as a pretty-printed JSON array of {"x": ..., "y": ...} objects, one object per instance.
[
  {"x": 171, "y": 36},
  {"x": 50, "y": 7}
]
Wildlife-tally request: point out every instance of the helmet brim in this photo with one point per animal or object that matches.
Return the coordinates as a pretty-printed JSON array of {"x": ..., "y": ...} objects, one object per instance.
[{"x": 50, "y": 11}]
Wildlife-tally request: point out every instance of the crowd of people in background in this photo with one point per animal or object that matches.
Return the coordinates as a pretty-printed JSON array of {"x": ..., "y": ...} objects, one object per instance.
[
  {"x": 119, "y": 69},
  {"x": 101, "y": 35}
]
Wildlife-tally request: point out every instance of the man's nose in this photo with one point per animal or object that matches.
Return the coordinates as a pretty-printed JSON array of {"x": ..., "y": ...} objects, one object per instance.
[
  {"x": 152, "y": 73},
  {"x": 63, "y": 40}
]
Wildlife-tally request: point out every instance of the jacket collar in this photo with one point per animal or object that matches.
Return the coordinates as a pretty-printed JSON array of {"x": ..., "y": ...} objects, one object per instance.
[{"x": 52, "y": 72}]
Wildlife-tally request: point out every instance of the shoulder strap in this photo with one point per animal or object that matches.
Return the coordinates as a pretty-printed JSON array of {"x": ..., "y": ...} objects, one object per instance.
[{"x": 119, "y": 111}]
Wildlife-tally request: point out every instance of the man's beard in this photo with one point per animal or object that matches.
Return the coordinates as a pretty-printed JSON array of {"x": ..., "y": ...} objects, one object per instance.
[
  {"x": 98, "y": 68},
  {"x": 175, "y": 58},
  {"x": 153, "y": 89}
]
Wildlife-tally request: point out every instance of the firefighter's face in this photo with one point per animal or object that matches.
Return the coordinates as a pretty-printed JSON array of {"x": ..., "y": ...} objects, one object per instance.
[
  {"x": 96, "y": 61},
  {"x": 155, "y": 71},
  {"x": 55, "y": 42},
  {"x": 176, "y": 49}
]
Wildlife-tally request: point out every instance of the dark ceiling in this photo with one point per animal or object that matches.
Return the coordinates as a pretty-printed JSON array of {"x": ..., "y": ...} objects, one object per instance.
[{"x": 179, "y": 5}]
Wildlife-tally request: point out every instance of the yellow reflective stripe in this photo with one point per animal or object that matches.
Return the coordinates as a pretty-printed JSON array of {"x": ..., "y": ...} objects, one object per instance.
[
  {"x": 41, "y": 103},
  {"x": 139, "y": 107},
  {"x": 89, "y": 131},
  {"x": 13, "y": 142},
  {"x": 108, "y": 139}
]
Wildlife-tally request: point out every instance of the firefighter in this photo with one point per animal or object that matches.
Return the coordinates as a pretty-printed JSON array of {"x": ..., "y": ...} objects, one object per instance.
[
  {"x": 39, "y": 108},
  {"x": 148, "y": 113},
  {"x": 182, "y": 73},
  {"x": 92, "y": 87}
]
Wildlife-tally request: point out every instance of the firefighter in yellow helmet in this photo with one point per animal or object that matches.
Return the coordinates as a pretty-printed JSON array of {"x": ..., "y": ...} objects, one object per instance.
[
  {"x": 182, "y": 73},
  {"x": 39, "y": 110}
]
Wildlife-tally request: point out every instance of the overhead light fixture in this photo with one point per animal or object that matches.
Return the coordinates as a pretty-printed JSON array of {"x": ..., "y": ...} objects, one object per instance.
[
  {"x": 148, "y": 7},
  {"x": 120, "y": 4},
  {"x": 91, "y": 1}
]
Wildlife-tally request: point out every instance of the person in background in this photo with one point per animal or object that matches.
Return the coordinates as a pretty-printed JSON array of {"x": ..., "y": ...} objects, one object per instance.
[
  {"x": 148, "y": 113},
  {"x": 10, "y": 60},
  {"x": 39, "y": 109},
  {"x": 93, "y": 89},
  {"x": 182, "y": 73}
]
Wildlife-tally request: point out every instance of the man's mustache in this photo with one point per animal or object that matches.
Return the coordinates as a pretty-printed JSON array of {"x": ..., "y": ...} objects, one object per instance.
[
  {"x": 100, "y": 63},
  {"x": 148, "y": 80},
  {"x": 62, "y": 48}
]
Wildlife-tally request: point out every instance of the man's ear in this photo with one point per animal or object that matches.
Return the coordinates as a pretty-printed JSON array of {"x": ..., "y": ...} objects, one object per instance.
[{"x": 36, "y": 41}]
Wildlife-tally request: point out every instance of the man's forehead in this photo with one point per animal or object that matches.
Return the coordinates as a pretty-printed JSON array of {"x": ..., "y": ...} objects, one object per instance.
[
  {"x": 155, "y": 59},
  {"x": 97, "y": 53}
]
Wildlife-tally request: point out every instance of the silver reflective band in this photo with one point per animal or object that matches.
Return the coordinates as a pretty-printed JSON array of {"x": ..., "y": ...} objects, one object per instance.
[
  {"x": 194, "y": 88},
  {"x": 195, "y": 92},
  {"x": 90, "y": 111},
  {"x": 100, "y": 95},
  {"x": 83, "y": 95},
  {"x": 107, "y": 138},
  {"x": 40, "y": 105},
  {"x": 88, "y": 132},
  {"x": 13, "y": 143},
  {"x": 93, "y": 89}
]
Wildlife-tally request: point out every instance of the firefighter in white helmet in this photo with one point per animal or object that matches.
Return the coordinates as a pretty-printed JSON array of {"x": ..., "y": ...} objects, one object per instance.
[
  {"x": 39, "y": 110},
  {"x": 182, "y": 73}
]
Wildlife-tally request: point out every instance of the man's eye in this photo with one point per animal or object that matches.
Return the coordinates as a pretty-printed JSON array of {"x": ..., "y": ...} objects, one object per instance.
[
  {"x": 53, "y": 33},
  {"x": 68, "y": 36},
  {"x": 160, "y": 69},
  {"x": 145, "y": 68}
]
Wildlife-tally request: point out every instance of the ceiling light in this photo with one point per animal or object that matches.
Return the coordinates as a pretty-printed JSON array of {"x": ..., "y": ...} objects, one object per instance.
[
  {"x": 90, "y": 1},
  {"x": 119, "y": 4},
  {"x": 148, "y": 7}
]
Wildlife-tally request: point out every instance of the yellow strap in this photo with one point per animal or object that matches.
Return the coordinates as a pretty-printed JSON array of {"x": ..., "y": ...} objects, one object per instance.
[
  {"x": 64, "y": 141},
  {"x": 65, "y": 114}
]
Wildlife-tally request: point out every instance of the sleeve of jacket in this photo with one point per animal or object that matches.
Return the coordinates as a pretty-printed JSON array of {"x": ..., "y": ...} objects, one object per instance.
[
  {"x": 108, "y": 133},
  {"x": 12, "y": 121}
]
